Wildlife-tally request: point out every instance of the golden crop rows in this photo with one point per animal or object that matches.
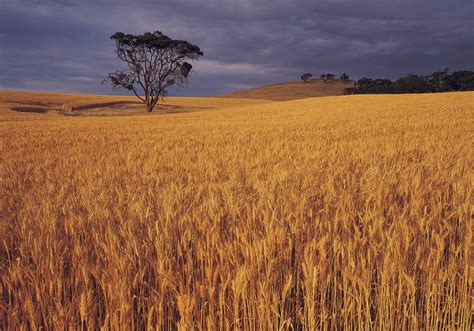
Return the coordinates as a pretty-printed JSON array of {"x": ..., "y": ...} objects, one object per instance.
[{"x": 331, "y": 213}]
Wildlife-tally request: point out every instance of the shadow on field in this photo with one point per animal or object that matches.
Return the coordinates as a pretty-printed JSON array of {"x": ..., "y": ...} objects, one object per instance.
[
  {"x": 118, "y": 108},
  {"x": 172, "y": 109},
  {"x": 114, "y": 105},
  {"x": 35, "y": 110},
  {"x": 34, "y": 103}
]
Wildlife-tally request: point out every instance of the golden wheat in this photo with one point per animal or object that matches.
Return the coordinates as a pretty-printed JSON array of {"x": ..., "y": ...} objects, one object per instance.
[{"x": 332, "y": 213}]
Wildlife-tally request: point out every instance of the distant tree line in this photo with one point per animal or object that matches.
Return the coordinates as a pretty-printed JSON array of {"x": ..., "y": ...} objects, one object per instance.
[{"x": 440, "y": 81}]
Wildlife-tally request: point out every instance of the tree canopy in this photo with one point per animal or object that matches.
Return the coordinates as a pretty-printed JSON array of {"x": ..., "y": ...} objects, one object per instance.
[
  {"x": 344, "y": 77},
  {"x": 326, "y": 77},
  {"x": 306, "y": 77},
  {"x": 155, "y": 62}
]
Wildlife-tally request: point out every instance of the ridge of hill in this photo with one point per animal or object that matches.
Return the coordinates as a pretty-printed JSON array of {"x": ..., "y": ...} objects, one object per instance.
[{"x": 292, "y": 90}]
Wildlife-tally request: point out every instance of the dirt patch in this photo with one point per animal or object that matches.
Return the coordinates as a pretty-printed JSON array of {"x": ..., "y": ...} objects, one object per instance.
[{"x": 67, "y": 108}]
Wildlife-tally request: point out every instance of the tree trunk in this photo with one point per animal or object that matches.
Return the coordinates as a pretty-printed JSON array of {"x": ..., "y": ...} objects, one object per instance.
[{"x": 149, "y": 104}]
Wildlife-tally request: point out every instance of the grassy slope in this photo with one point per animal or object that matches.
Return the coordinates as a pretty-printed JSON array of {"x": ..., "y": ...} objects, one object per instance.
[{"x": 292, "y": 90}]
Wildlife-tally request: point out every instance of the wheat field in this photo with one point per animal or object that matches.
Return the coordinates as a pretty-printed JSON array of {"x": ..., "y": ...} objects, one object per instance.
[{"x": 332, "y": 213}]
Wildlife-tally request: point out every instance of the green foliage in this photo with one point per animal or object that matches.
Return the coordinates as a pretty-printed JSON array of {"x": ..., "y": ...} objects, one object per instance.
[{"x": 440, "y": 81}]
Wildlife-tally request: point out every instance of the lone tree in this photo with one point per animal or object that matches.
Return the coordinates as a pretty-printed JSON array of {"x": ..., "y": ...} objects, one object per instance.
[
  {"x": 306, "y": 77},
  {"x": 155, "y": 63}
]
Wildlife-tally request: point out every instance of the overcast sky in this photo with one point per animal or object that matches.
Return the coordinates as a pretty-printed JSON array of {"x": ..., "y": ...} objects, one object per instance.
[{"x": 64, "y": 45}]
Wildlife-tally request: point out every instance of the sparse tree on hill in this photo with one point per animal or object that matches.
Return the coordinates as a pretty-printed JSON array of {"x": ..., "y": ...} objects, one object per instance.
[
  {"x": 326, "y": 77},
  {"x": 344, "y": 77},
  {"x": 306, "y": 77},
  {"x": 155, "y": 62}
]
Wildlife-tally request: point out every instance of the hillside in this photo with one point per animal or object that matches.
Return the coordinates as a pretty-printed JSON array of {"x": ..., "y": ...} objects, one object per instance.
[{"x": 292, "y": 90}]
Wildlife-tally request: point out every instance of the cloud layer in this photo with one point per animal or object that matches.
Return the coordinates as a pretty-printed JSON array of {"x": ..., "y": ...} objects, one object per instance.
[{"x": 63, "y": 45}]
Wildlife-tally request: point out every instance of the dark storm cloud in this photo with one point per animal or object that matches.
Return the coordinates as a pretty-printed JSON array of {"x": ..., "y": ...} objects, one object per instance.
[{"x": 64, "y": 45}]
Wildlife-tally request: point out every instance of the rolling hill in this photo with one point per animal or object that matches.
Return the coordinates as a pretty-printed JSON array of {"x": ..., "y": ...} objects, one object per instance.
[
  {"x": 292, "y": 90},
  {"x": 83, "y": 104}
]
